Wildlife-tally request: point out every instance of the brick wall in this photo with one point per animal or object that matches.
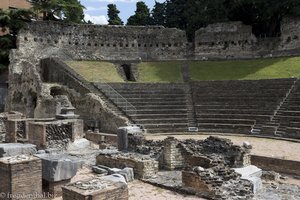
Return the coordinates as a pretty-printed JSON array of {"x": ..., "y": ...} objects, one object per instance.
[
  {"x": 142, "y": 168},
  {"x": 21, "y": 176},
  {"x": 112, "y": 191},
  {"x": 5, "y": 4},
  {"x": 276, "y": 164},
  {"x": 97, "y": 138},
  {"x": 172, "y": 155}
]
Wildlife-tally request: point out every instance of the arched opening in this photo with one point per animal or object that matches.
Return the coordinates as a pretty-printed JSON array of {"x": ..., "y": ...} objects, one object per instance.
[{"x": 128, "y": 72}]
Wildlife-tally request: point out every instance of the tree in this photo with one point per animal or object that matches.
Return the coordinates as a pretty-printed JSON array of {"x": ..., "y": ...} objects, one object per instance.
[
  {"x": 67, "y": 10},
  {"x": 141, "y": 16},
  {"x": 200, "y": 13},
  {"x": 158, "y": 14},
  {"x": 175, "y": 17},
  {"x": 113, "y": 15},
  {"x": 264, "y": 15},
  {"x": 11, "y": 20}
]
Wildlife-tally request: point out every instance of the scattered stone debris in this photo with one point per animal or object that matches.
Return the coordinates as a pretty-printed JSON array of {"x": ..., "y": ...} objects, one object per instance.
[{"x": 270, "y": 176}]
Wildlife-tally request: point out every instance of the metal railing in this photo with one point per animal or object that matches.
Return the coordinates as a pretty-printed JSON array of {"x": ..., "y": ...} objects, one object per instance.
[
  {"x": 108, "y": 91},
  {"x": 116, "y": 97}
]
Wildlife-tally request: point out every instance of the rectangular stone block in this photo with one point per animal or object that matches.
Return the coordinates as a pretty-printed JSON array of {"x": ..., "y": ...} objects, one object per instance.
[
  {"x": 143, "y": 168},
  {"x": 54, "y": 188},
  {"x": 99, "y": 137},
  {"x": 59, "y": 167},
  {"x": 96, "y": 190},
  {"x": 14, "y": 149},
  {"x": 21, "y": 176}
]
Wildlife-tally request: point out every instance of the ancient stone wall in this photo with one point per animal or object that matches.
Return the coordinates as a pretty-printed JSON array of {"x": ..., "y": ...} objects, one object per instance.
[
  {"x": 144, "y": 166},
  {"x": 38, "y": 40},
  {"x": 93, "y": 42},
  {"x": 227, "y": 40},
  {"x": 90, "y": 107}
]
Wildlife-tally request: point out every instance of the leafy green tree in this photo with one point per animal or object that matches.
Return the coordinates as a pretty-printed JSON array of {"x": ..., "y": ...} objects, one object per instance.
[
  {"x": 141, "y": 16},
  {"x": 200, "y": 13},
  {"x": 113, "y": 15},
  {"x": 158, "y": 14},
  {"x": 264, "y": 15},
  {"x": 11, "y": 21},
  {"x": 175, "y": 16},
  {"x": 67, "y": 10}
]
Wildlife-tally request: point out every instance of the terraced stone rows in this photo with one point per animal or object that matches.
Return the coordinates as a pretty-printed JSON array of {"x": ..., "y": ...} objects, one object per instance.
[
  {"x": 220, "y": 106},
  {"x": 160, "y": 107},
  {"x": 288, "y": 116},
  {"x": 238, "y": 106}
]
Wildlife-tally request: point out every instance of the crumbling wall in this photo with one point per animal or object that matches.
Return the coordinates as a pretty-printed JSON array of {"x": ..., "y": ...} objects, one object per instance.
[
  {"x": 39, "y": 40},
  {"x": 224, "y": 40},
  {"x": 290, "y": 36},
  {"x": 143, "y": 166},
  {"x": 94, "y": 42}
]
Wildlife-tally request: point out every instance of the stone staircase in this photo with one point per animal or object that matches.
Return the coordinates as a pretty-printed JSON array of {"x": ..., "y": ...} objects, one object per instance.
[
  {"x": 159, "y": 107},
  {"x": 238, "y": 106},
  {"x": 288, "y": 114}
]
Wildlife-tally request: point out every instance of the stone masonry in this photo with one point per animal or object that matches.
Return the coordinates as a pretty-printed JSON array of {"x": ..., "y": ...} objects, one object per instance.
[{"x": 21, "y": 175}]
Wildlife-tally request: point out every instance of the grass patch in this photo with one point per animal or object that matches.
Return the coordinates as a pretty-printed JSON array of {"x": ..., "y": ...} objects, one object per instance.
[
  {"x": 153, "y": 72},
  {"x": 245, "y": 69},
  {"x": 95, "y": 71}
]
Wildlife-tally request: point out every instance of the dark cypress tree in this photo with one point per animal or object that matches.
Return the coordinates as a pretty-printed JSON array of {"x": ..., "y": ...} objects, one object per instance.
[
  {"x": 159, "y": 14},
  {"x": 113, "y": 15},
  {"x": 141, "y": 16}
]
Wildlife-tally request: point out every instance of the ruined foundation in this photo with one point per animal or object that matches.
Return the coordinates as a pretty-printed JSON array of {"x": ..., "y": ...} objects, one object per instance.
[
  {"x": 95, "y": 189},
  {"x": 20, "y": 176}
]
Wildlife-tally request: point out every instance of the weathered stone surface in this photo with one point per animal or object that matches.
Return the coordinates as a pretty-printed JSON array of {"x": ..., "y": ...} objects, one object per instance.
[
  {"x": 115, "y": 178},
  {"x": 14, "y": 149},
  {"x": 99, "y": 170},
  {"x": 127, "y": 173},
  {"x": 20, "y": 175},
  {"x": 252, "y": 174},
  {"x": 58, "y": 167},
  {"x": 143, "y": 166},
  {"x": 79, "y": 144},
  {"x": 109, "y": 188},
  {"x": 270, "y": 176}
]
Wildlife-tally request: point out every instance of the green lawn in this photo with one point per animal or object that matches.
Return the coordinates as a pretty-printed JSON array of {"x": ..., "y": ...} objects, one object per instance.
[
  {"x": 95, "y": 71},
  {"x": 245, "y": 69},
  {"x": 169, "y": 71}
]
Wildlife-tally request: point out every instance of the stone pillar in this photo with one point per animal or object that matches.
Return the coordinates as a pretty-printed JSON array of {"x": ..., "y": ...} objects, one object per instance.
[
  {"x": 172, "y": 156},
  {"x": 11, "y": 131},
  {"x": 21, "y": 176},
  {"x": 122, "y": 139}
]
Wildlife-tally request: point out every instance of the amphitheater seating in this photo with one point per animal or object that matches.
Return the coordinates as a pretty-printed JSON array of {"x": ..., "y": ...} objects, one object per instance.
[
  {"x": 238, "y": 106},
  {"x": 159, "y": 107},
  {"x": 265, "y": 107},
  {"x": 288, "y": 116}
]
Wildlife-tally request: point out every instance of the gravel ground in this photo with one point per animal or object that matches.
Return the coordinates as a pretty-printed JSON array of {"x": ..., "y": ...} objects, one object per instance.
[{"x": 261, "y": 146}]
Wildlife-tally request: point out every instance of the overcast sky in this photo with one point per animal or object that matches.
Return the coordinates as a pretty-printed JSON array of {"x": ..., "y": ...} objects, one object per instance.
[{"x": 96, "y": 10}]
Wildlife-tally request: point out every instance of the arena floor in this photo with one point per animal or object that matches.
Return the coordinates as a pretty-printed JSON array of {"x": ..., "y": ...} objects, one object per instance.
[{"x": 288, "y": 150}]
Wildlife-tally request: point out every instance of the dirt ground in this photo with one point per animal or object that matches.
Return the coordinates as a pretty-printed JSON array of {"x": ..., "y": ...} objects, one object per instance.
[
  {"x": 138, "y": 190},
  {"x": 261, "y": 146},
  {"x": 142, "y": 191}
]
